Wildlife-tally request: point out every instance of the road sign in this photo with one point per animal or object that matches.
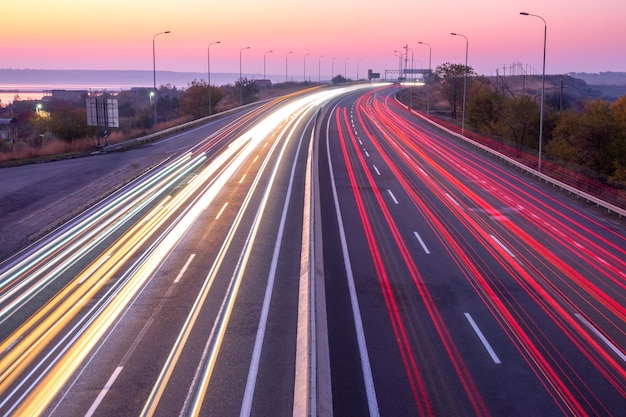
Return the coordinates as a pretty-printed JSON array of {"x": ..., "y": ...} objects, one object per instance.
[{"x": 102, "y": 112}]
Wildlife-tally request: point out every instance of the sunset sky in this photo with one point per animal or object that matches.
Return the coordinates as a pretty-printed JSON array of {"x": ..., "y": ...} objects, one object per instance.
[{"x": 583, "y": 35}]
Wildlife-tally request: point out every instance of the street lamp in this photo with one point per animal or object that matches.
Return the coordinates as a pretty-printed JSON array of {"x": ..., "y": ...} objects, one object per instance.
[
  {"x": 357, "y": 69},
  {"x": 332, "y": 68},
  {"x": 464, "y": 80},
  {"x": 430, "y": 54},
  {"x": 268, "y": 52},
  {"x": 304, "y": 67},
  {"x": 319, "y": 70},
  {"x": 208, "y": 64},
  {"x": 543, "y": 83},
  {"x": 154, "y": 73},
  {"x": 286, "y": 68},
  {"x": 345, "y": 69},
  {"x": 240, "y": 76}
]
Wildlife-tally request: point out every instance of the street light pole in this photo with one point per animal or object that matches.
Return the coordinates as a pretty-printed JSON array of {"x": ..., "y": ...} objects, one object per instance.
[
  {"x": 430, "y": 53},
  {"x": 268, "y": 52},
  {"x": 208, "y": 64},
  {"x": 543, "y": 83},
  {"x": 332, "y": 68},
  {"x": 240, "y": 77},
  {"x": 286, "y": 67},
  {"x": 154, "y": 74},
  {"x": 304, "y": 66},
  {"x": 464, "y": 80},
  {"x": 319, "y": 70},
  {"x": 345, "y": 69}
]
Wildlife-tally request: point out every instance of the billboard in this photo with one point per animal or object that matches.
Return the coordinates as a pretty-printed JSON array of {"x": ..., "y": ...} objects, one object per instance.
[{"x": 102, "y": 112}]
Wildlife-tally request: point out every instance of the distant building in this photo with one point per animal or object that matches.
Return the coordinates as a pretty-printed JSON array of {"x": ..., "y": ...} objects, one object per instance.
[
  {"x": 65, "y": 95},
  {"x": 263, "y": 83},
  {"x": 8, "y": 128}
]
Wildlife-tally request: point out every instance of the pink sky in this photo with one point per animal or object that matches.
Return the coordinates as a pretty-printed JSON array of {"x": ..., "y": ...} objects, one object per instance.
[{"x": 583, "y": 36}]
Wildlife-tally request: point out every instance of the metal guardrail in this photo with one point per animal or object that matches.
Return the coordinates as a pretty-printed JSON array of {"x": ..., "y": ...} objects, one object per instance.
[
  {"x": 555, "y": 183},
  {"x": 165, "y": 132}
]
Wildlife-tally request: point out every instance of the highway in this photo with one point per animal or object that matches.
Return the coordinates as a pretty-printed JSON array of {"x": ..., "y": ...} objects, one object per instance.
[{"x": 325, "y": 253}]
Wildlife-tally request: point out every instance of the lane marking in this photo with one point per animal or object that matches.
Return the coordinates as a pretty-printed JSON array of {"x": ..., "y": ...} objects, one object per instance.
[
  {"x": 366, "y": 153},
  {"x": 482, "y": 338},
  {"x": 182, "y": 271},
  {"x": 452, "y": 199},
  {"x": 393, "y": 197},
  {"x": 255, "y": 159},
  {"x": 221, "y": 211},
  {"x": 422, "y": 243},
  {"x": 502, "y": 246},
  {"x": 602, "y": 337},
  {"x": 242, "y": 178},
  {"x": 103, "y": 392},
  {"x": 366, "y": 368},
  {"x": 376, "y": 169}
]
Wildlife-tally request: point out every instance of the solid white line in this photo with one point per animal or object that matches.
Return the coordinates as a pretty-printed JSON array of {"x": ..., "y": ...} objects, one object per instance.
[
  {"x": 393, "y": 197},
  {"x": 104, "y": 391},
  {"x": 221, "y": 211},
  {"x": 502, "y": 246},
  {"x": 182, "y": 271},
  {"x": 255, "y": 360},
  {"x": 602, "y": 337},
  {"x": 376, "y": 169},
  {"x": 422, "y": 243},
  {"x": 366, "y": 368},
  {"x": 482, "y": 338}
]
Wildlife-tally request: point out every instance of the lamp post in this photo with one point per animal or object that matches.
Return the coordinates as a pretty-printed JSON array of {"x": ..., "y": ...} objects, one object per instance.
[
  {"x": 319, "y": 70},
  {"x": 268, "y": 52},
  {"x": 357, "y": 69},
  {"x": 430, "y": 54},
  {"x": 154, "y": 106},
  {"x": 400, "y": 56},
  {"x": 543, "y": 83},
  {"x": 464, "y": 80},
  {"x": 286, "y": 66},
  {"x": 208, "y": 64},
  {"x": 345, "y": 69},
  {"x": 304, "y": 66},
  {"x": 240, "y": 76},
  {"x": 332, "y": 68}
]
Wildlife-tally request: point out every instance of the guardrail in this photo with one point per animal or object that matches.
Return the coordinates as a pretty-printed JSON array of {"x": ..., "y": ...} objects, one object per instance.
[
  {"x": 555, "y": 183},
  {"x": 166, "y": 132}
]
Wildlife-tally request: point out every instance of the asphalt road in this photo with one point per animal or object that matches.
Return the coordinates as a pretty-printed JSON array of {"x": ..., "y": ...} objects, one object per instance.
[
  {"x": 447, "y": 284},
  {"x": 478, "y": 291}
]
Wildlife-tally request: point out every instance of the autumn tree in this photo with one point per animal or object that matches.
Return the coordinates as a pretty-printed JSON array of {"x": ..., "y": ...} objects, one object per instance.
[
  {"x": 593, "y": 138},
  {"x": 69, "y": 122},
  {"x": 195, "y": 99},
  {"x": 451, "y": 78},
  {"x": 520, "y": 119}
]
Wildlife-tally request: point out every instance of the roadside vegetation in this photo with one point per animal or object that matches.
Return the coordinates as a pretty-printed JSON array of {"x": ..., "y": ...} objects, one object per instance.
[
  {"x": 584, "y": 136},
  {"x": 57, "y": 128}
]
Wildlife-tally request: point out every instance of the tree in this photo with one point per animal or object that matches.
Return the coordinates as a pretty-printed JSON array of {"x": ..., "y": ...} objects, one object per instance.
[
  {"x": 520, "y": 120},
  {"x": 592, "y": 138},
  {"x": 247, "y": 89},
  {"x": 69, "y": 122},
  {"x": 484, "y": 109},
  {"x": 451, "y": 79},
  {"x": 195, "y": 99}
]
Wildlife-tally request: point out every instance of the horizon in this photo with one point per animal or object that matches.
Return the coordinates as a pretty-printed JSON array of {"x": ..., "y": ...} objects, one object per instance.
[{"x": 322, "y": 36}]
